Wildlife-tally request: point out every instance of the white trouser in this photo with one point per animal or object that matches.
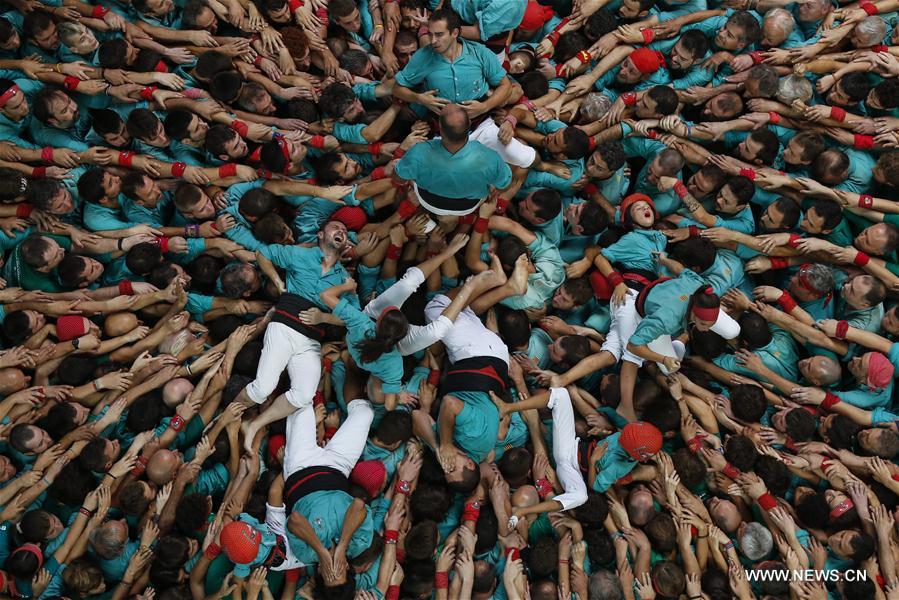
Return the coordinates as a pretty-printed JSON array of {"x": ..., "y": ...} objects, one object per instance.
[
  {"x": 565, "y": 444},
  {"x": 418, "y": 338},
  {"x": 276, "y": 519},
  {"x": 286, "y": 347},
  {"x": 467, "y": 337},
  {"x": 514, "y": 153},
  {"x": 624, "y": 322},
  {"x": 342, "y": 452}
]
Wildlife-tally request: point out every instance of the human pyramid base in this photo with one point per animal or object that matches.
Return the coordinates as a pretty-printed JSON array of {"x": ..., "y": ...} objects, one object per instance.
[{"x": 449, "y": 299}]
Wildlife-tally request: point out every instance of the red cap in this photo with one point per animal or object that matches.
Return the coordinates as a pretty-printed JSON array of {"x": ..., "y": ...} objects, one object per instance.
[
  {"x": 69, "y": 327},
  {"x": 647, "y": 61},
  {"x": 352, "y": 216},
  {"x": 880, "y": 370},
  {"x": 633, "y": 199},
  {"x": 240, "y": 542},
  {"x": 641, "y": 440},
  {"x": 535, "y": 16},
  {"x": 275, "y": 443},
  {"x": 370, "y": 475}
]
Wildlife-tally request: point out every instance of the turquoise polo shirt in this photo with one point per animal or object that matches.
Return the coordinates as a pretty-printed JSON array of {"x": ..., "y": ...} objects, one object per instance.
[
  {"x": 493, "y": 17},
  {"x": 469, "y": 77},
  {"x": 542, "y": 284},
  {"x": 634, "y": 249},
  {"x": 157, "y": 216},
  {"x": 391, "y": 459},
  {"x": 469, "y": 173},
  {"x": 103, "y": 218},
  {"x": 477, "y": 425},
  {"x": 73, "y": 137},
  {"x": 614, "y": 464},
  {"x": 304, "y": 271},
  {"x": 867, "y": 398},
  {"x": 389, "y": 366},
  {"x": 665, "y": 308},
  {"x": 726, "y": 273},
  {"x": 326, "y": 512},
  {"x": 741, "y": 221},
  {"x": 780, "y": 355}
]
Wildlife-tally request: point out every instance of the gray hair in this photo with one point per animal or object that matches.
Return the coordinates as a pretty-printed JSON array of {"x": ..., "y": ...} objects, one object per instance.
[
  {"x": 106, "y": 543},
  {"x": 70, "y": 31},
  {"x": 595, "y": 106},
  {"x": 819, "y": 277},
  {"x": 782, "y": 18},
  {"x": 756, "y": 541},
  {"x": 794, "y": 87},
  {"x": 872, "y": 29},
  {"x": 604, "y": 585}
]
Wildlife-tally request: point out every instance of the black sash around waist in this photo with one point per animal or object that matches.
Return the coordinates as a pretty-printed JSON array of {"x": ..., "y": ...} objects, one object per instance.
[
  {"x": 310, "y": 480},
  {"x": 477, "y": 374},
  {"x": 287, "y": 312},
  {"x": 641, "y": 299}
]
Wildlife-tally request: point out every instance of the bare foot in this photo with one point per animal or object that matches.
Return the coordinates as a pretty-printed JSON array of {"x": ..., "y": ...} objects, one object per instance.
[
  {"x": 518, "y": 282},
  {"x": 486, "y": 280},
  {"x": 249, "y": 430}
]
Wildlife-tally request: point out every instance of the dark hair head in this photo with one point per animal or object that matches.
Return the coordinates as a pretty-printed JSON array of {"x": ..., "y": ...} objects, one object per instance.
[
  {"x": 856, "y": 85},
  {"x": 392, "y": 326},
  {"x": 748, "y": 402},
  {"x": 225, "y": 86},
  {"x": 394, "y": 428},
  {"x": 740, "y": 451},
  {"x": 774, "y": 473},
  {"x": 697, "y": 254},
  {"x": 335, "y": 100},
  {"x": 812, "y": 509},
  {"x": 689, "y": 467},
  {"x": 211, "y": 63},
  {"x": 665, "y": 98},
  {"x": 754, "y": 331}
]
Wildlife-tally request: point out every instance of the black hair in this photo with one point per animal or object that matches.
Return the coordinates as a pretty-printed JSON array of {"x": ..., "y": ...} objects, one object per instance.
[
  {"x": 600, "y": 23},
  {"x": 106, "y": 121},
  {"x": 695, "y": 42},
  {"x": 113, "y": 53},
  {"x": 395, "y": 427},
  {"x": 450, "y": 17},
  {"x": 142, "y": 123},
  {"x": 740, "y": 451},
  {"x": 754, "y": 331},
  {"x": 225, "y": 86},
  {"x": 812, "y": 509},
  {"x": 335, "y": 100},
  {"x": 534, "y": 84},
  {"x": 71, "y": 270},
  {"x": 829, "y": 210},
  {"x": 143, "y": 258},
  {"x": 548, "y": 203},
  {"x": 665, "y": 98},
  {"x": 216, "y": 137},
  {"x": 256, "y": 203},
  {"x": 770, "y": 145},
  {"x": 800, "y": 425},
  {"x": 664, "y": 414},
  {"x": 748, "y": 402},
  {"x": 742, "y": 188},
  {"x": 514, "y": 327},
  {"x": 16, "y": 327},
  {"x": 774, "y": 473},
  {"x": 612, "y": 154},
  {"x": 752, "y": 31},
  {"x": 856, "y": 85},
  {"x": 211, "y": 63},
  {"x": 577, "y": 143},
  {"x": 392, "y": 326},
  {"x": 177, "y": 123},
  {"x": 697, "y": 254},
  {"x": 191, "y": 514}
]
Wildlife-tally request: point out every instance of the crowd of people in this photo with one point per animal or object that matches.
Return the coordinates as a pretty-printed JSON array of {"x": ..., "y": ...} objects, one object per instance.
[{"x": 452, "y": 299}]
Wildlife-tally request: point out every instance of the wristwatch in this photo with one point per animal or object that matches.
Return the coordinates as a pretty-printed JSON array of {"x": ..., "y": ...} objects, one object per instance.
[{"x": 75, "y": 343}]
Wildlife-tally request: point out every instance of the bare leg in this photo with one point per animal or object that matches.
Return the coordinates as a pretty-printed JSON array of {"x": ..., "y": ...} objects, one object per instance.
[
  {"x": 516, "y": 285},
  {"x": 628, "y": 381},
  {"x": 472, "y": 289},
  {"x": 280, "y": 409}
]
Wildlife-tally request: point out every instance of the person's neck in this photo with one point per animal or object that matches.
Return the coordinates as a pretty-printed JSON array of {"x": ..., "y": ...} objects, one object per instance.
[
  {"x": 453, "y": 147},
  {"x": 453, "y": 52},
  {"x": 330, "y": 256}
]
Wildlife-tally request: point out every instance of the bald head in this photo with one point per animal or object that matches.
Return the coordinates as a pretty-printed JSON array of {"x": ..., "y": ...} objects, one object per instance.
[
  {"x": 175, "y": 391},
  {"x": 12, "y": 380},
  {"x": 525, "y": 496},
  {"x": 454, "y": 124},
  {"x": 162, "y": 466},
  {"x": 118, "y": 324}
]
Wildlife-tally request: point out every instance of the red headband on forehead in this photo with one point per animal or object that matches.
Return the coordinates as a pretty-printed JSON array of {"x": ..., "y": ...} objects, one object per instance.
[
  {"x": 802, "y": 278},
  {"x": 8, "y": 95},
  {"x": 285, "y": 150},
  {"x": 706, "y": 314},
  {"x": 841, "y": 509}
]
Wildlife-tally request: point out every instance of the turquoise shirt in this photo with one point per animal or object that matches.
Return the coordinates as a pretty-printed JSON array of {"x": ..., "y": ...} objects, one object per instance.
[
  {"x": 469, "y": 77},
  {"x": 469, "y": 173},
  {"x": 742, "y": 221},
  {"x": 634, "y": 249},
  {"x": 389, "y": 366},
  {"x": 493, "y": 17},
  {"x": 726, "y": 273},
  {"x": 867, "y": 398},
  {"x": 326, "y": 512},
  {"x": 304, "y": 271},
  {"x": 477, "y": 425},
  {"x": 780, "y": 355},
  {"x": 614, "y": 464},
  {"x": 666, "y": 308}
]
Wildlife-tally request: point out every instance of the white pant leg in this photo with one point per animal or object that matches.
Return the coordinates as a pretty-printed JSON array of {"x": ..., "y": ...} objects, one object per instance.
[
  {"x": 467, "y": 337},
  {"x": 305, "y": 371},
  {"x": 515, "y": 152},
  {"x": 396, "y": 294},
  {"x": 565, "y": 443},
  {"x": 271, "y": 363},
  {"x": 301, "y": 449},
  {"x": 725, "y": 326},
  {"x": 276, "y": 520},
  {"x": 624, "y": 322},
  {"x": 664, "y": 346},
  {"x": 345, "y": 448}
]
